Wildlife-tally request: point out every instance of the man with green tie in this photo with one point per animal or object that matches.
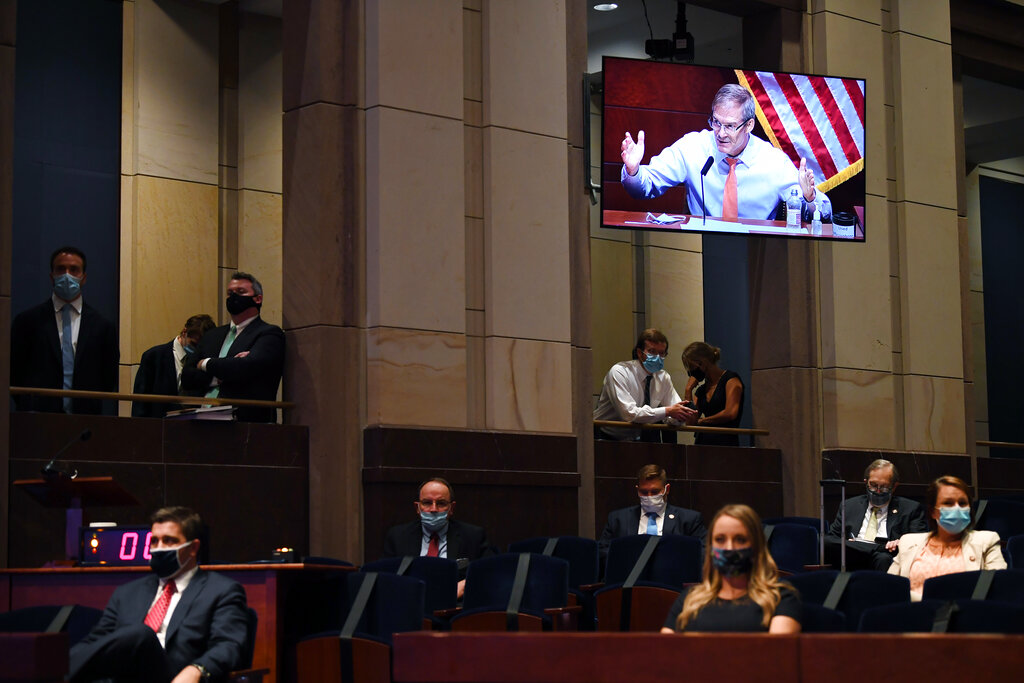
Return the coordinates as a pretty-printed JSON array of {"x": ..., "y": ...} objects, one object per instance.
[{"x": 244, "y": 359}]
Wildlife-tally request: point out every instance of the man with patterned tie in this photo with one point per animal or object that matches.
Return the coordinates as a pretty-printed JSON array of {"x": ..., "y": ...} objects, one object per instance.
[
  {"x": 244, "y": 359},
  {"x": 435, "y": 534},
  {"x": 748, "y": 178},
  {"x": 179, "y": 624},
  {"x": 653, "y": 515},
  {"x": 640, "y": 391},
  {"x": 64, "y": 343},
  {"x": 872, "y": 518}
]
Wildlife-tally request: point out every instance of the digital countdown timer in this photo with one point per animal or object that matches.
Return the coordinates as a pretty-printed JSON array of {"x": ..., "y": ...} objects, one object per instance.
[{"x": 115, "y": 546}]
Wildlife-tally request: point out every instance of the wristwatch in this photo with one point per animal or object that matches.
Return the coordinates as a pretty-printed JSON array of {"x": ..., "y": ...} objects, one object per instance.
[{"x": 204, "y": 673}]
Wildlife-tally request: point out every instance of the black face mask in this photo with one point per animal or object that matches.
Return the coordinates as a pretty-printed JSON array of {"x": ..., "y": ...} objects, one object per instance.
[
  {"x": 697, "y": 374},
  {"x": 165, "y": 562},
  {"x": 732, "y": 562},
  {"x": 236, "y": 303},
  {"x": 879, "y": 499}
]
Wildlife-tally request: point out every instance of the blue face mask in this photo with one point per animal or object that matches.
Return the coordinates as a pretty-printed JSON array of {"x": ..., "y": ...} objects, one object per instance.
[
  {"x": 653, "y": 363},
  {"x": 433, "y": 521},
  {"x": 190, "y": 349},
  {"x": 954, "y": 519},
  {"x": 67, "y": 287}
]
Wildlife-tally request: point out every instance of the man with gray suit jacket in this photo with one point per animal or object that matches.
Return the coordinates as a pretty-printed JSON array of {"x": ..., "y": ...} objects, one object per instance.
[
  {"x": 179, "y": 624},
  {"x": 658, "y": 518}
]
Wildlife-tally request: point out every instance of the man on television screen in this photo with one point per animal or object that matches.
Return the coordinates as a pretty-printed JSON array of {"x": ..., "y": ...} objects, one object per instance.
[{"x": 748, "y": 177}]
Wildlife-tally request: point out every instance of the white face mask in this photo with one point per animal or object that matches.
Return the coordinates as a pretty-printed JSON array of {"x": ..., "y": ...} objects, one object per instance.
[{"x": 654, "y": 503}]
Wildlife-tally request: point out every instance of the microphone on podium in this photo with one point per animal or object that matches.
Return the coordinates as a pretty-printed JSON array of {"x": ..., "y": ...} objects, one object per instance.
[
  {"x": 704, "y": 172},
  {"x": 51, "y": 471}
]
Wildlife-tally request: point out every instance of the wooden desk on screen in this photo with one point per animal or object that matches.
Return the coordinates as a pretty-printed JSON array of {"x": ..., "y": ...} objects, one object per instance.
[
  {"x": 268, "y": 590},
  {"x": 743, "y": 226},
  {"x": 616, "y": 657}
]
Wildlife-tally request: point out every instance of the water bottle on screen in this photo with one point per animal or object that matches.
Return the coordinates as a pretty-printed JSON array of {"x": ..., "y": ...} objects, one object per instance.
[
  {"x": 793, "y": 210},
  {"x": 816, "y": 223}
]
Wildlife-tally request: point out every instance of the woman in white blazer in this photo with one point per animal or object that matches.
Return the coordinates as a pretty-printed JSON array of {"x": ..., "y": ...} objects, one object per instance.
[{"x": 950, "y": 546}]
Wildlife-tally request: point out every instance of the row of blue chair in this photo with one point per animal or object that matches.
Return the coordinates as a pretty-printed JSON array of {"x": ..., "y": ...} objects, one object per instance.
[{"x": 862, "y": 600}]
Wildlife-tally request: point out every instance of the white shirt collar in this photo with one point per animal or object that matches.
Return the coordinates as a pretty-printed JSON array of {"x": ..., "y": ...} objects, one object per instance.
[{"x": 58, "y": 303}]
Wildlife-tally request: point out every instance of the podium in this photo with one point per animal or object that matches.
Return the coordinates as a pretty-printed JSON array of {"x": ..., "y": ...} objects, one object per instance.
[{"x": 73, "y": 495}]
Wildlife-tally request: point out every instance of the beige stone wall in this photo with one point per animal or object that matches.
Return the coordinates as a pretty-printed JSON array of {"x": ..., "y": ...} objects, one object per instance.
[
  {"x": 892, "y": 351},
  {"x": 201, "y": 192},
  {"x": 428, "y": 249}
]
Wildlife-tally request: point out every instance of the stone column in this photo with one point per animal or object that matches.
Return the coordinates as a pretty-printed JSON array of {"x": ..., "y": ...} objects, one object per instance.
[
  {"x": 169, "y": 173},
  {"x": 323, "y": 247}
]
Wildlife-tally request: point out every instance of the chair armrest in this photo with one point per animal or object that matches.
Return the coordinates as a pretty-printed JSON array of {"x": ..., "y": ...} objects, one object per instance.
[
  {"x": 447, "y": 613},
  {"x": 591, "y": 587},
  {"x": 564, "y": 618}
]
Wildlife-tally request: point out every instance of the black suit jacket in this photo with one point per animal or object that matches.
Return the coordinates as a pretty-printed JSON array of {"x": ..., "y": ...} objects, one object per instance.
[
  {"x": 156, "y": 375},
  {"x": 36, "y": 359},
  {"x": 255, "y": 376},
  {"x": 208, "y": 625},
  {"x": 465, "y": 541},
  {"x": 905, "y": 516},
  {"x": 626, "y": 522}
]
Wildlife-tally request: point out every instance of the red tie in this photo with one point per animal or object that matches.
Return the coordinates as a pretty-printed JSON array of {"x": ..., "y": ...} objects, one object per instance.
[
  {"x": 434, "y": 546},
  {"x": 729, "y": 202},
  {"x": 158, "y": 611}
]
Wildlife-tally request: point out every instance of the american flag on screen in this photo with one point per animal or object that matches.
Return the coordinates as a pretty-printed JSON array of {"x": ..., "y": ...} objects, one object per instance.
[{"x": 817, "y": 118}]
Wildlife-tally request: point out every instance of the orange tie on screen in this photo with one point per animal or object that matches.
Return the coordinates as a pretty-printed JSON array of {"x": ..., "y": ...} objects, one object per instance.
[
  {"x": 159, "y": 609},
  {"x": 729, "y": 209},
  {"x": 434, "y": 546}
]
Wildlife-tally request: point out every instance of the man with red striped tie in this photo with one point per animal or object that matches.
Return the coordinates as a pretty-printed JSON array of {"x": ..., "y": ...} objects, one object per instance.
[
  {"x": 435, "y": 534},
  {"x": 178, "y": 624}
]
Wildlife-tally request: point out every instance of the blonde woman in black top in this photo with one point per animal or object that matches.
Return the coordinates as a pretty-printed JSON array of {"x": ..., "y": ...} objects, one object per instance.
[{"x": 741, "y": 590}]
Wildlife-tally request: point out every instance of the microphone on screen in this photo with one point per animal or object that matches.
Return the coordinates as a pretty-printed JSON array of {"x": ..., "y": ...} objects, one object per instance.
[{"x": 704, "y": 172}]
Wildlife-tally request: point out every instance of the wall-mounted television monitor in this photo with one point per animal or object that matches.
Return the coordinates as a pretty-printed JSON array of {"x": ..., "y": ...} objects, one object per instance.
[{"x": 769, "y": 148}]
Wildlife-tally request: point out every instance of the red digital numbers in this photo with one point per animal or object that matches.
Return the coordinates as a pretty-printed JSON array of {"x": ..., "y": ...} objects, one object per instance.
[
  {"x": 131, "y": 538},
  {"x": 128, "y": 554}
]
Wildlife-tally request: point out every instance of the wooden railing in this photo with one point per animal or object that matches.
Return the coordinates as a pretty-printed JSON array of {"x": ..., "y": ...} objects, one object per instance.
[
  {"x": 148, "y": 398},
  {"x": 681, "y": 428}
]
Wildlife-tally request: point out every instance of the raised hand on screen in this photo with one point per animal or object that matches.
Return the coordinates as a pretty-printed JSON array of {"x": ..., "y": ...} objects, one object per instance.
[
  {"x": 806, "y": 178},
  {"x": 633, "y": 152}
]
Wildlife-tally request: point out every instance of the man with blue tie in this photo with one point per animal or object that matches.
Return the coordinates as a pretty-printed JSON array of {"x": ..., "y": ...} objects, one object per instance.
[
  {"x": 653, "y": 515},
  {"x": 179, "y": 624},
  {"x": 244, "y": 359},
  {"x": 64, "y": 343}
]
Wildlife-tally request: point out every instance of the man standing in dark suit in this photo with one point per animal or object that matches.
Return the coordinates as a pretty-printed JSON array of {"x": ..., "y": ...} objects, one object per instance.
[
  {"x": 179, "y": 624},
  {"x": 435, "y": 533},
  {"x": 242, "y": 360},
  {"x": 63, "y": 343},
  {"x": 875, "y": 520},
  {"x": 658, "y": 518},
  {"x": 160, "y": 368}
]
